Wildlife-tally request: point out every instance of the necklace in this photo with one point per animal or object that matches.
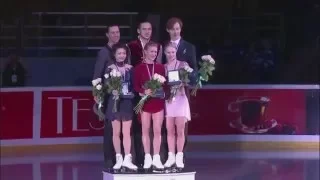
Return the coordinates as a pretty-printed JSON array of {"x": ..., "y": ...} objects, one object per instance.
[
  {"x": 175, "y": 66},
  {"x": 150, "y": 75}
]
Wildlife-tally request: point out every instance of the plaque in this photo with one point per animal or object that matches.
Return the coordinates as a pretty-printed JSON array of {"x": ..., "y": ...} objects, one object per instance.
[
  {"x": 125, "y": 88},
  {"x": 159, "y": 94},
  {"x": 174, "y": 78},
  {"x": 125, "y": 91}
]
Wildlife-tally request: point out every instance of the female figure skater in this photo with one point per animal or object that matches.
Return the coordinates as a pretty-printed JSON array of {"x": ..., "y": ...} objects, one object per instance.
[
  {"x": 153, "y": 107},
  {"x": 177, "y": 112},
  {"x": 124, "y": 113}
]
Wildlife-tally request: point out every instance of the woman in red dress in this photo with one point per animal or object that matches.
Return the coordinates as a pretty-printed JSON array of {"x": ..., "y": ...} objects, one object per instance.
[{"x": 153, "y": 107}]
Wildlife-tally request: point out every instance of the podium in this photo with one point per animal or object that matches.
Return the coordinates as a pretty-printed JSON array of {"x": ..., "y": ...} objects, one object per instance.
[{"x": 150, "y": 176}]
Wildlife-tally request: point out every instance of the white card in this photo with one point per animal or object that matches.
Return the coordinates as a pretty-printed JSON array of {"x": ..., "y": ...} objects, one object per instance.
[
  {"x": 173, "y": 76},
  {"x": 125, "y": 88}
]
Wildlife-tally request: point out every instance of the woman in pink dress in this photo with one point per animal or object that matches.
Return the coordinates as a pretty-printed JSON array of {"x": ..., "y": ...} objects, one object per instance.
[{"x": 177, "y": 112}]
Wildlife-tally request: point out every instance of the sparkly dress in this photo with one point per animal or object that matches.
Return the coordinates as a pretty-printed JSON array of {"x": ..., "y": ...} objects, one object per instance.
[
  {"x": 125, "y": 106},
  {"x": 179, "y": 107}
]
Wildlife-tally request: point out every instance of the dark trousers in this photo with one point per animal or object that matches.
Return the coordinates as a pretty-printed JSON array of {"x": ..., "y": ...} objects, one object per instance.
[
  {"x": 138, "y": 155},
  {"x": 164, "y": 143},
  {"x": 108, "y": 150}
]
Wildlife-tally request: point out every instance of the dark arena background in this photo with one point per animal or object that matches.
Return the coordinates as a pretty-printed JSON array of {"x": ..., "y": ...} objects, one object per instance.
[{"x": 256, "y": 118}]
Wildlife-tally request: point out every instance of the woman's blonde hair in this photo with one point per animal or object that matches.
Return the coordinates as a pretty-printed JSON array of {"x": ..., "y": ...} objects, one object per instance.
[{"x": 170, "y": 45}]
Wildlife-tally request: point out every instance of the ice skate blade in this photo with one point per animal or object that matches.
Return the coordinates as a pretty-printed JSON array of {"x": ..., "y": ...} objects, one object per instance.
[
  {"x": 116, "y": 171},
  {"x": 158, "y": 170},
  {"x": 125, "y": 169}
]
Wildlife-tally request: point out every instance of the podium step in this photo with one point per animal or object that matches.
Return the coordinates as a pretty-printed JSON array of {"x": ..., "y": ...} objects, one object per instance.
[{"x": 151, "y": 176}]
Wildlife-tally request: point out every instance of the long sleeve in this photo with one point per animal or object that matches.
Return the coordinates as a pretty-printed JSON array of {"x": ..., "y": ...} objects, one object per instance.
[
  {"x": 193, "y": 58},
  {"x": 137, "y": 82},
  {"x": 101, "y": 63}
]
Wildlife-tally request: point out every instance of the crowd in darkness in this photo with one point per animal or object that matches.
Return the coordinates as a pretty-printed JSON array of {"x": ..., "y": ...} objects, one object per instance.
[{"x": 255, "y": 62}]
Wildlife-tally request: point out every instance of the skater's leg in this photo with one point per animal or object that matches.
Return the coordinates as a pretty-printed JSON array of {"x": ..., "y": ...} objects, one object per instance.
[
  {"x": 157, "y": 119},
  {"x": 126, "y": 132},
  {"x": 157, "y": 127},
  {"x": 180, "y": 124},
  {"x": 171, "y": 134},
  {"x": 116, "y": 129},
  {"x": 145, "y": 121},
  {"x": 171, "y": 139},
  {"x": 127, "y": 163}
]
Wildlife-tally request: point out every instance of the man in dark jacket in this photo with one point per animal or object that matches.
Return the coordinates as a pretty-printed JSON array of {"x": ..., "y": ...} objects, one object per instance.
[
  {"x": 104, "y": 58},
  {"x": 185, "y": 52}
]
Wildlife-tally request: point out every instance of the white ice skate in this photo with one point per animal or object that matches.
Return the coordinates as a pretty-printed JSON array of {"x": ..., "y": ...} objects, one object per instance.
[
  {"x": 156, "y": 163},
  {"x": 179, "y": 160},
  {"x": 147, "y": 161},
  {"x": 119, "y": 161},
  {"x": 170, "y": 161},
  {"x": 127, "y": 163}
]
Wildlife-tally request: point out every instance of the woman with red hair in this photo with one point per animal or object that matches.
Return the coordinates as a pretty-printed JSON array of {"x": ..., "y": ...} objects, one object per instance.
[{"x": 153, "y": 109}]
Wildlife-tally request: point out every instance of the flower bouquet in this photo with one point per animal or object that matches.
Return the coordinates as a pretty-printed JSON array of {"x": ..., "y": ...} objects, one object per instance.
[
  {"x": 206, "y": 68},
  {"x": 98, "y": 92},
  {"x": 184, "y": 74},
  {"x": 114, "y": 84},
  {"x": 155, "y": 84}
]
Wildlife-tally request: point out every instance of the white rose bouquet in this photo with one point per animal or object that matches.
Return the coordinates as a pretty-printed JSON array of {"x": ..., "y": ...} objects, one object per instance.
[
  {"x": 184, "y": 73},
  {"x": 206, "y": 68},
  {"x": 154, "y": 85},
  {"x": 113, "y": 83},
  {"x": 98, "y": 92}
]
